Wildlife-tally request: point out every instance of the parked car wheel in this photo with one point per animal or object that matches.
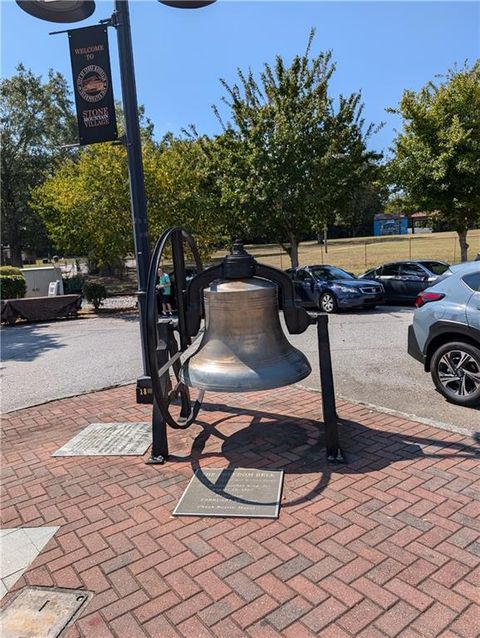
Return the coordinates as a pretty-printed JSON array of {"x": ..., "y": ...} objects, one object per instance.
[
  {"x": 328, "y": 303},
  {"x": 455, "y": 370}
]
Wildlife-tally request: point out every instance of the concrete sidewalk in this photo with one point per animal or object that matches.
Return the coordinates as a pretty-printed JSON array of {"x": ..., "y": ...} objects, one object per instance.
[{"x": 386, "y": 545}]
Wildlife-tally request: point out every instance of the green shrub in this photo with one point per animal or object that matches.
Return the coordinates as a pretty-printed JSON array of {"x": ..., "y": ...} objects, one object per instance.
[
  {"x": 94, "y": 293},
  {"x": 10, "y": 270},
  {"x": 73, "y": 285},
  {"x": 12, "y": 283}
]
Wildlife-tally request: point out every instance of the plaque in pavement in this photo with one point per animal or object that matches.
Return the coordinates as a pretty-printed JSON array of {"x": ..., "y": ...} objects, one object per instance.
[
  {"x": 41, "y": 612},
  {"x": 109, "y": 439},
  {"x": 243, "y": 492}
]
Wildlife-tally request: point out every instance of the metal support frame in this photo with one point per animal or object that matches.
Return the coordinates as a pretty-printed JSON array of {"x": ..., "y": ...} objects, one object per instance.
[
  {"x": 164, "y": 353},
  {"x": 330, "y": 417},
  {"x": 159, "y": 452}
]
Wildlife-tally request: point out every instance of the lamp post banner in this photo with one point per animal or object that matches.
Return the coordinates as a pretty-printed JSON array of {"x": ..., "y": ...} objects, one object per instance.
[{"x": 92, "y": 85}]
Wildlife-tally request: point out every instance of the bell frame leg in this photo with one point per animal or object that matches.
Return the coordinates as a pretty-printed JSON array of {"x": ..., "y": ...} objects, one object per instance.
[
  {"x": 159, "y": 452},
  {"x": 330, "y": 418}
]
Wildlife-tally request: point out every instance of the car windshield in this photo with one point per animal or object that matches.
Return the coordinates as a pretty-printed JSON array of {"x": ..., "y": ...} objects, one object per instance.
[
  {"x": 435, "y": 266},
  {"x": 330, "y": 273}
]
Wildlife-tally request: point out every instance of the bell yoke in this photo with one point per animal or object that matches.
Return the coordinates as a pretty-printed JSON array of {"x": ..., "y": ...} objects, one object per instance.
[{"x": 243, "y": 347}]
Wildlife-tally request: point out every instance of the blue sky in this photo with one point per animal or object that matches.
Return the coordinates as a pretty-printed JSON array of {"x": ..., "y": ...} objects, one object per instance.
[{"x": 379, "y": 47}]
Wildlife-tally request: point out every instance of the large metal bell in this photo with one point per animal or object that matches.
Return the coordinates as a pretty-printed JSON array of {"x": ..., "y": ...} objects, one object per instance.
[{"x": 243, "y": 348}]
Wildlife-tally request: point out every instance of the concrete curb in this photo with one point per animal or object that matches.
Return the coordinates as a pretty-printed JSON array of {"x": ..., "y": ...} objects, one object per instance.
[{"x": 405, "y": 415}]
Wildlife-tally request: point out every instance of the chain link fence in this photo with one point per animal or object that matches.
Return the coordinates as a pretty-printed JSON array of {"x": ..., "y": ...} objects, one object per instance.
[{"x": 358, "y": 255}]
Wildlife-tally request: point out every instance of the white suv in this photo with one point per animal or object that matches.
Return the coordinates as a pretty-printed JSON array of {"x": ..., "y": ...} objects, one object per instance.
[{"x": 445, "y": 333}]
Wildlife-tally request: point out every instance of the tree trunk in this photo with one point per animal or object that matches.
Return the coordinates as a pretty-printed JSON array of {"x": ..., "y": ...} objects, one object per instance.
[
  {"x": 12, "y": 234},
  {"x": 92, "y": 266},
  {"x": 293, "y": 252},
  {"x": 462, "y": 240},
  {"x": 16, "y": 256}
]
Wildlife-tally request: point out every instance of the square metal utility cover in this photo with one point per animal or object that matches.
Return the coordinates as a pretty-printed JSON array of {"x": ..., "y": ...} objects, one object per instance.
[
  {"x": 40, "y": 612},
  {"x": 237, "y": 492},
  {"x": 109, "y": 439}
]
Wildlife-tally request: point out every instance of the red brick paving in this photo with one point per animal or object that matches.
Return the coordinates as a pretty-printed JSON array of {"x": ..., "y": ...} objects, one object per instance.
[{"x": 387, "y": 545}]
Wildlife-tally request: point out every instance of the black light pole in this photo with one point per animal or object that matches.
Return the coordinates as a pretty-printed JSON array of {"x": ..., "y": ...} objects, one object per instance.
[
  {"x": 138, "y": 202},
  {"x": 121, "y": 21}
]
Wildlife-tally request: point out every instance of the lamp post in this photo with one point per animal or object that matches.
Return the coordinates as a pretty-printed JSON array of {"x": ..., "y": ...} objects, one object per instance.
[
  {"x": 65, "y": 11},
  {"x": 138, "y": 201}
]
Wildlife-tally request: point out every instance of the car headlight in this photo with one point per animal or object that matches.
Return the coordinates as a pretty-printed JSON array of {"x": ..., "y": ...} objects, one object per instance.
[{"x": 346, "y": 289}]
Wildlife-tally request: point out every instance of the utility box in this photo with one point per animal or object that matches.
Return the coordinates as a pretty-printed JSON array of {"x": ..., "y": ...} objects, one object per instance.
[{"x": 38, "y": 281}]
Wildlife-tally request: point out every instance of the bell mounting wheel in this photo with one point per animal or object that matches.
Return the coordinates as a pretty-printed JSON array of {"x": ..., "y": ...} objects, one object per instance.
[{"x": 167, "y": 338}]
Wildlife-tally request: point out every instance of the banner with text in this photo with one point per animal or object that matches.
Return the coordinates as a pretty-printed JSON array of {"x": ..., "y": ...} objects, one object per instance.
[{"x": 92, "y": 85}]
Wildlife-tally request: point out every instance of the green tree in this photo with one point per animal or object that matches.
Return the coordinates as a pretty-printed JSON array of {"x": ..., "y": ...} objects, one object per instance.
[
  {"x": 290, "y": 155},
  {"x": 85, "y": 203},
  {"x": 36, "y": 119},
  {"x": 436, "y": 166},
  {"x": 186, "y": 193},
  {"x": 366, "y": 201}
]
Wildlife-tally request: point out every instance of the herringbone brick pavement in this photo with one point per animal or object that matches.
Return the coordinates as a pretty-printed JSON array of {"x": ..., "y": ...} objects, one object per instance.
[{"x": 385, "y": 546}]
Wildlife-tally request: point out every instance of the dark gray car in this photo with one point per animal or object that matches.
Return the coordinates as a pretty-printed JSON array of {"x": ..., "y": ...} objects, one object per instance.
[{"x": 404, "y": 280}]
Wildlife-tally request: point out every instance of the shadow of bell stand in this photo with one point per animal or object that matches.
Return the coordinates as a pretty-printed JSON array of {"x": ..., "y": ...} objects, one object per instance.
[{"x": 207, "y": 369}]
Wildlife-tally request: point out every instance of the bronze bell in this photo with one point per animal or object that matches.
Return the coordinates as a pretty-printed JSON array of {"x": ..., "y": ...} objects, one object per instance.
[{"x": 243, "y": 348}]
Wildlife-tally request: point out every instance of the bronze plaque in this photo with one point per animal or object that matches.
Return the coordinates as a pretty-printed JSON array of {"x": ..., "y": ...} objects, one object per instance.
[
  {"x": 239, "y": 492},
  {"x": 109, "y": 439},
  {"x": 40, "y": 612}
]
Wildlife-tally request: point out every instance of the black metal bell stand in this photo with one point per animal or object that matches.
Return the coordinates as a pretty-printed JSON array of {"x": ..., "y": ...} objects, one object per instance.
[{"x": 165, "y": 352}]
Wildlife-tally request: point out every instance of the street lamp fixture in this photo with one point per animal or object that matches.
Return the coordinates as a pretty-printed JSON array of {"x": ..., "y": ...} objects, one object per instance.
[
  {"x": 187, "y": 4},
  {"x": 58, "y": 10},
  {"x": 75, "y": 10}
]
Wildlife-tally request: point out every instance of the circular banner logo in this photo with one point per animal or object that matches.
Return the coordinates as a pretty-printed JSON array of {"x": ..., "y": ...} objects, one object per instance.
[{"x": 92, "y": 83}]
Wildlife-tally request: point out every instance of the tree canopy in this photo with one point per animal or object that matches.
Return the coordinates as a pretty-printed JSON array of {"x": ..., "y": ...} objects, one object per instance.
[
  {"x": 36, "y": 120},
  {"x": 186, "y": 193},
  {"x": 85, "y": 203},
  {"x": 436, "y": 166},
  {"x": 290, "y": 155},
  {"x": 86, "y": 207}
]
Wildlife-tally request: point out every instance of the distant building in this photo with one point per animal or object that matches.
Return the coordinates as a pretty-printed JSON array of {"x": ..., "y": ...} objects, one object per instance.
[
  {"x": 420, "y": 222},
  {"x": 396, "y": 224}
]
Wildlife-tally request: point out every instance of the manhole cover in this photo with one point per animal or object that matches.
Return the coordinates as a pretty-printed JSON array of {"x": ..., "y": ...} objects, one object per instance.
[
  {"x": 109, "y": 439},
  {"x": 39, "y": 612},
  {"x": 239, "y": 492}
]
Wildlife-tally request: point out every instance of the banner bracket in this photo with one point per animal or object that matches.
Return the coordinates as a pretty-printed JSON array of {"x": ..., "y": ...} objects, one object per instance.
[
  {"x": 109, "y": 22},
  {"x": 122, "y": 141},
  {"x": 56, "y": 32}
]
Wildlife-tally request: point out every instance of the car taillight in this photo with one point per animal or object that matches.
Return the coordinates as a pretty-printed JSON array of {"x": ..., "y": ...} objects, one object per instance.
[{"x": 427, "y": 297}]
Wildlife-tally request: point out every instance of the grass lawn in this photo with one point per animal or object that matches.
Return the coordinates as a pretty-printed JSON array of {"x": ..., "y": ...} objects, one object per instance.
[{"x": 358, "y": 254}]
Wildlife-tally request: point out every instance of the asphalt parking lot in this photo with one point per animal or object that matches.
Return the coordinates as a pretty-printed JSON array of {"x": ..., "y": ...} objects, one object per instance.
[
  {"x": 371, "y": 365},
  {"x": 46, "y": 361}
]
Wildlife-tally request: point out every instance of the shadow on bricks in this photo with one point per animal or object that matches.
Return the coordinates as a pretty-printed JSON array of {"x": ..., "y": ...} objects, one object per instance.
[{"x": 297, "y": 446}]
